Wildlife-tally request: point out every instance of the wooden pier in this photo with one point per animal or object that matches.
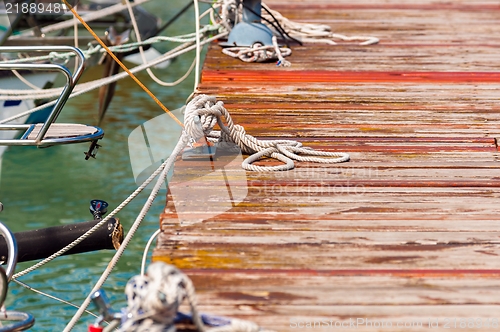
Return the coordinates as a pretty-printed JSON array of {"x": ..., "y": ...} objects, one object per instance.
[{"x": 408, "y": 231}]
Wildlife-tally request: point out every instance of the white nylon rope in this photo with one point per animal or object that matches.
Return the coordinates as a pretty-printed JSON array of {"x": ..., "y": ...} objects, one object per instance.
[
  {"x": 22, "y": 94},
  {"x": 164, "y": 169},
  {"x": 24, "y": 80},
  {"x": 146, "y": 249},
  {"x": 198, "y": 45},
  {"x": 208, "y": 111},
  {"x": 143, "y": 56},
  {"x": 94, "y": 49},
  {"x": 37, "y": 291},
  {"x": 305, "y": 32},
  {"x": 312, "y": 33},
  {"x": 260, "y": 53},
  {"x": 87, "y": 17},
  {"x": 97, "y": 226},
  {"x": 153, "y": 301}
]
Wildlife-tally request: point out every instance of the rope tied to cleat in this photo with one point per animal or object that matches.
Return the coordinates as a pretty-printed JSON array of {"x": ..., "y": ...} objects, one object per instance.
[
  {"x": 310, "y": 32},
  {"x": 235, "y": 13},
  {"x": 153, "y": 302},
  {"x": 204, "y": 112},
  {"x": 260, "y": 53}
]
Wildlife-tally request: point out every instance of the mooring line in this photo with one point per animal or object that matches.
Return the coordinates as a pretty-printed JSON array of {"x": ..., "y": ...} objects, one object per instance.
[
  {"x": 164, "y": 169},
  {"x": 28, "y": 287},
  {"x": 89, "y": 29}
]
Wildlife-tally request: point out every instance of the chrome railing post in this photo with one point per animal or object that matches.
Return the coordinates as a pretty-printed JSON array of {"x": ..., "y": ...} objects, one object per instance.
[{"x": 70, "y": 79}]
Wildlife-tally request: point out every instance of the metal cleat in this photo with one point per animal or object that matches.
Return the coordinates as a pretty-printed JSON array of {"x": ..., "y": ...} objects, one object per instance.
[
  {"x": 250, "y": 30},
  {"x": 107, "y": 314}
]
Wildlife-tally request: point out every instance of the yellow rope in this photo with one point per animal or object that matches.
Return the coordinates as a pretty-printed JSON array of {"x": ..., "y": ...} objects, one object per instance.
[{"x": 163, "y": 107}]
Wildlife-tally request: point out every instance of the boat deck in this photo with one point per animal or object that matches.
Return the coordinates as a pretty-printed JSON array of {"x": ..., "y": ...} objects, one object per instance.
[{"x": 408, "y": 231}]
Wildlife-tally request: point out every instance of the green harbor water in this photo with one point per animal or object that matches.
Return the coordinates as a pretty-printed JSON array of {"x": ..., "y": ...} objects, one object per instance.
[{"x": 49, "y": 187}]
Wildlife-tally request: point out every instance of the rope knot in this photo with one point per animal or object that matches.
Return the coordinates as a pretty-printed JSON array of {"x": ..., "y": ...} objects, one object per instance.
[
  {"x": 203, "y": 112},
  {"x": 59, "y": 58},
  {"x": 154, "y": 298},
  {"x": 201, "y": 115},
  {"x": 260, "y": 53},
  {"x": 153, "y": 302}
]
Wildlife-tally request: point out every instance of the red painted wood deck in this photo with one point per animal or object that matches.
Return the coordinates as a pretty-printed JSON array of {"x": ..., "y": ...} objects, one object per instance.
[{"x": 408, "y": 231}]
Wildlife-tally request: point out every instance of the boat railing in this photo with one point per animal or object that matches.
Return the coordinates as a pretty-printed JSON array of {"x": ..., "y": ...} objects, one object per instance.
[{"x": 48, "y": 133}]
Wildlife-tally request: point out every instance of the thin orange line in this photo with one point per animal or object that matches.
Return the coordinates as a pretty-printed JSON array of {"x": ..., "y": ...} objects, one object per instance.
[{"x": 163, "y": 107}]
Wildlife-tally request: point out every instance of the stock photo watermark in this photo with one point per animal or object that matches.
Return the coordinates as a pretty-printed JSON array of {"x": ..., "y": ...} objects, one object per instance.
[
  {"x": 203, "y": 184},
  {"x": 313, "y": 182},
  {"x": 43, "y": 9},
  {"x": 353, "y": 323},
  {"x": 299, "y": 188}
]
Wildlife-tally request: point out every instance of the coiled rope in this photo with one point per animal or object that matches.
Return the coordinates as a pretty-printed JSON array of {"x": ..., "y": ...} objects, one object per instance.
[
  {"x": 260, "y": 53},
  {"x": 231, "y": 13},
  {"x": 203, "y": 112},
  {"x": 308, "y": 32}
]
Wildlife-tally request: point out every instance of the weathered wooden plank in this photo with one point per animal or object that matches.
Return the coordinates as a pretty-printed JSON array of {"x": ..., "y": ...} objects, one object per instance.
[
  {"x": 346, "y": 290},
  {"x": 329, "y": 255},
  {"x": 404, "y": 25},
  {"x": 338, "y": 173},
  {"x": 468, "y": 6},
  {"x": 318, "y": 76},
  {"x": 342, "y": 208},
  {"x": 287, "y": 316},
  {"x": 381, "y": 221},
  {"x": 396, "y": 59},
  {"x": 443, "y": 98},
  {"x": 344, "y": 297}
]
